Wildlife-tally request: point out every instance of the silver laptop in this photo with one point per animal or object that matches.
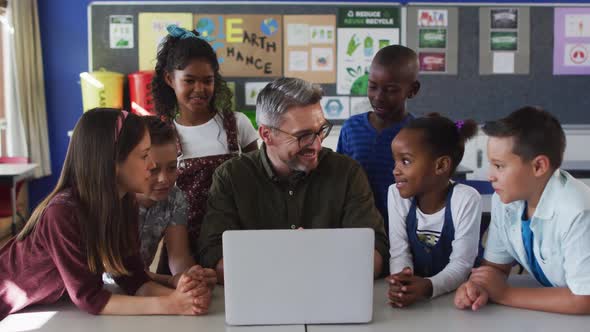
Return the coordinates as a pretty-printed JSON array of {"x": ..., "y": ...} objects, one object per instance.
[{"x": 312, "y": 276}]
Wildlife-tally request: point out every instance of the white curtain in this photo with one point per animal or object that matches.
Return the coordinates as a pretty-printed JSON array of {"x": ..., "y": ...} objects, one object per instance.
[{"x": 25, "y": 110}]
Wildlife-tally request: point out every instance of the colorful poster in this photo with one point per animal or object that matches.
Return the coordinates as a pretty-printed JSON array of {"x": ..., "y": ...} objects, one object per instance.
[
  {"x": 361, "y": 33},
  {"x": 432, "y": 38},
  {"x": 504, "y": 18},
  {"x": 151, "y": 31},
  {"x": 503, "y": 41},
  {"x": 432, "y": 62},
  {"x": 121, "y": 31},
  {"x": 433, "y": 17},
  {"x": 251, "y": 90},
  {"x": 310, "y": 47},
  {"x": 246, "y": 45},
  {"x": 571, "y": 49},
  {"x": 336, "y": 107}
]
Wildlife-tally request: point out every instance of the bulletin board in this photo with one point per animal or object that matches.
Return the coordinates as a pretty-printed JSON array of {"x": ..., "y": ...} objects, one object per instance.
[
  {"x": 461, "y": 92},
  {"x": 251, "y": 65}
]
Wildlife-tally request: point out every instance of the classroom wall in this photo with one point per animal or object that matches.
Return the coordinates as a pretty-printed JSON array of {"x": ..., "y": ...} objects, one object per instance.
[
  {"x": 64, "y": 38},
  {"x": 64, "y": 41}
]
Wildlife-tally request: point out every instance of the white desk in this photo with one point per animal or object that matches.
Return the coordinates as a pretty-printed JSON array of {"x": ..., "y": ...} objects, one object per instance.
[
  {"x": 11, "y": 174},
  {"x": 441, "y": 315},
  {"x": 65, "y": 317}
]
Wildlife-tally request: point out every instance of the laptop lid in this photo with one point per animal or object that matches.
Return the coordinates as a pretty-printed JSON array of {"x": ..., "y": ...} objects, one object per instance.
[{"x": 298, "y": 276}]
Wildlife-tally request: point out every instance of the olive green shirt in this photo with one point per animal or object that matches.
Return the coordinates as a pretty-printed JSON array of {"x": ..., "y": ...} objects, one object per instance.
[{"x": 246, "y": 194}]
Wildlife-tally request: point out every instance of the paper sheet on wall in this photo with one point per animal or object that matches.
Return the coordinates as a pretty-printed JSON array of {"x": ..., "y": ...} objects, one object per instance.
[
  {"x": 251, "y": 90},
  {"x": 121, "y": 31},
  {"x": 577, "y": 55},
  {"x": 297, "y": 34},
  {"x": 577, "y": 25},
  {"x": 336, "y": 107},
  {"x": 503, "y": 63},
  {"x": 433, "y": 17},
  {"x": 152, "y": 29},
  {"x": 298, "y": 60}
]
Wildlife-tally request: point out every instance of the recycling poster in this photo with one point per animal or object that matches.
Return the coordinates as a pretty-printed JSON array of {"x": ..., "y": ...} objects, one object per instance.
[{"x": 361, "y": 33}]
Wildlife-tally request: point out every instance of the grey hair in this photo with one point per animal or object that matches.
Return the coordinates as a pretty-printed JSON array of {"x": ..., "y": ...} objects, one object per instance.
[{"x": 278, "y": 96}]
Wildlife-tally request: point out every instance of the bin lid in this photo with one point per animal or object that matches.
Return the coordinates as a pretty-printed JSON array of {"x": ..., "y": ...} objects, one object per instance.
[
  {"x": 102, "y": 72},
  {"x": 142, "y": 73}
]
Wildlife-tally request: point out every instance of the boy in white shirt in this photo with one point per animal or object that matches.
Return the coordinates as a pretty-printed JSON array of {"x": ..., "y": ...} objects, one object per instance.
[{"x": 540, "y": 218}]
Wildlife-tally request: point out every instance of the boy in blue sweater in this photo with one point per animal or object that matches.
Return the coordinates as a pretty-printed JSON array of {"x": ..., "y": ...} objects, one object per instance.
[{"x": 367, "y": 137}]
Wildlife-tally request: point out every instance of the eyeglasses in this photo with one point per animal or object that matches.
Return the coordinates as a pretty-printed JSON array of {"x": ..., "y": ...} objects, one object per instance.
[{"x": 307, "y": 139}]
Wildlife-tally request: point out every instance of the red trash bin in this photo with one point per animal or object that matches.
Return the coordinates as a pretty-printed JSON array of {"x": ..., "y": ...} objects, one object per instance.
[{"x": 140, "y": 92}]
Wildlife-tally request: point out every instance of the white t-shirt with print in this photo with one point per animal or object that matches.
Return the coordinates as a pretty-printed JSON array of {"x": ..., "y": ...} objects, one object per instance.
[
  {"x": 210, "y": 139},
  {"x": 466, "y": 213}
]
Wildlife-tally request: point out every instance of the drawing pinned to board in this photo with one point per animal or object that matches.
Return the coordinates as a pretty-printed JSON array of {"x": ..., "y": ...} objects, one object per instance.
[
  {"x": 577, "y": 25},
  {"x": 313, "y": 35},
  {"x": 322, "y": 59},
  {"x": 251, "y": 91},
  {"x": 577, "y": 55},
  {"x": 121, "y": 31},
  {"x": 336, "y": 107},
  {"x": 361, "y": 33},
  {"x": 504, "y": 18},
  {"x": 298, "y": 60},
  {"x": 503, "y": 41},
  {"x": 297, "y": 34},
  {"x": 433, "y": 17},
  {"x": 432, "y": 62},
  {"x": 152, "y": 29},
  {"x": 246, "y": 45},
  {"x": 432, "y": 38},
  {"x": 323, "y": 34}
]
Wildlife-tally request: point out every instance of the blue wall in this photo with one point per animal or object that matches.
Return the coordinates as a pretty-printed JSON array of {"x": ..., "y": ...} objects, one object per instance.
[{"x": 64, "y": 40}]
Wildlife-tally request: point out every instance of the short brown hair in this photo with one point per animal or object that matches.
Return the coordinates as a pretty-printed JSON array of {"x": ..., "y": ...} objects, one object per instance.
[{"x": 535, "y": 132}]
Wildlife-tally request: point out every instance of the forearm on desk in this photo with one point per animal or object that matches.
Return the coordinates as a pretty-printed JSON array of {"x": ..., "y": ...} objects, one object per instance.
[
  {"x": 550, "y": 299},
  {"x": 150, "y": 299}
]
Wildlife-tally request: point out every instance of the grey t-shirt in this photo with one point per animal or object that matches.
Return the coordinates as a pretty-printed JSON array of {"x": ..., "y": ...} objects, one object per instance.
[{"x": 154, "y": 221}]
